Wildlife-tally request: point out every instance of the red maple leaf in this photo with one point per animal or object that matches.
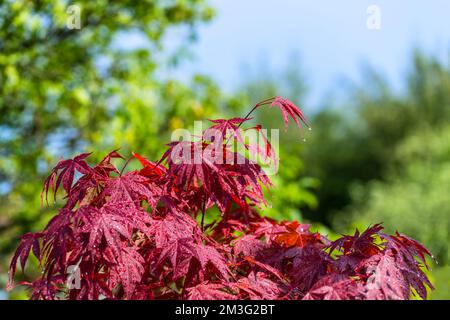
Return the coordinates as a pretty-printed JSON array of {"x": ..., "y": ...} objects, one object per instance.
[
  {"x": 335, "y": 287},
  {"x": 225, "y": 129},
  {"x": 130, "y": 188},
  {"x": 209, "y": 291},
  {"x": 64, "y": 172},
  {"x": 29, "y": 241},
  {"x": 296, "y": 235},
  {"x": 289, "y": 109}
]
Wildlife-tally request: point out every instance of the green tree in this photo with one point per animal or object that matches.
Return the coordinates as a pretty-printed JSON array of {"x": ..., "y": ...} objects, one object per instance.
[{"x": 414, "y": 198}]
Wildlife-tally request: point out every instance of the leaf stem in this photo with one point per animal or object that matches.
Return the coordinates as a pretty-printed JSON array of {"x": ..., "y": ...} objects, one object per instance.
[
  {"x": 203, "y": 213},
  {"x": 125, "y": 165},
  {"x": 256, "y": 106},
  {"x": 261, "y": 103}
]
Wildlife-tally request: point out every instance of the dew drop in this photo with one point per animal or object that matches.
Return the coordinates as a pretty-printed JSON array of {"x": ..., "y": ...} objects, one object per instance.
[
  {"x": 304, "y": 139},
  {"x": 309, "y": 129}
]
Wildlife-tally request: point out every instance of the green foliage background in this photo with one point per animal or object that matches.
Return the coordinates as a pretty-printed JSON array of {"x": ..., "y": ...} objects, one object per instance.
[
  {"x": 386, "y": 159},
  {"x": 377, "y": 156}
]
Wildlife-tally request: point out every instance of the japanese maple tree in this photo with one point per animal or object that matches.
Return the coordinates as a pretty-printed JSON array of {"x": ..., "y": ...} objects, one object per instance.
[{"x": 142, "y": 234}]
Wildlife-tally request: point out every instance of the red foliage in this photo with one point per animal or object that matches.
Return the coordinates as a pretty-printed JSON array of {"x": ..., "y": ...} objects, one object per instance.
[{"x": 135, "y": 235}]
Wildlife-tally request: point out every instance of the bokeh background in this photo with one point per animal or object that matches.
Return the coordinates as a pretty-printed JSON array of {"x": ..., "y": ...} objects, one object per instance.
[{"x": 378, "y": 100}]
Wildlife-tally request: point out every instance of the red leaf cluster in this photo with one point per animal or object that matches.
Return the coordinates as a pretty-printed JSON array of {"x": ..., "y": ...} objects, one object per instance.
[{"x": 137, "y": 235}]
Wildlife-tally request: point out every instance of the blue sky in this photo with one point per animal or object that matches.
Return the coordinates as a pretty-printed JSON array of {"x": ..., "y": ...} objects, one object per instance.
[{"x": 331, "y": 37}]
